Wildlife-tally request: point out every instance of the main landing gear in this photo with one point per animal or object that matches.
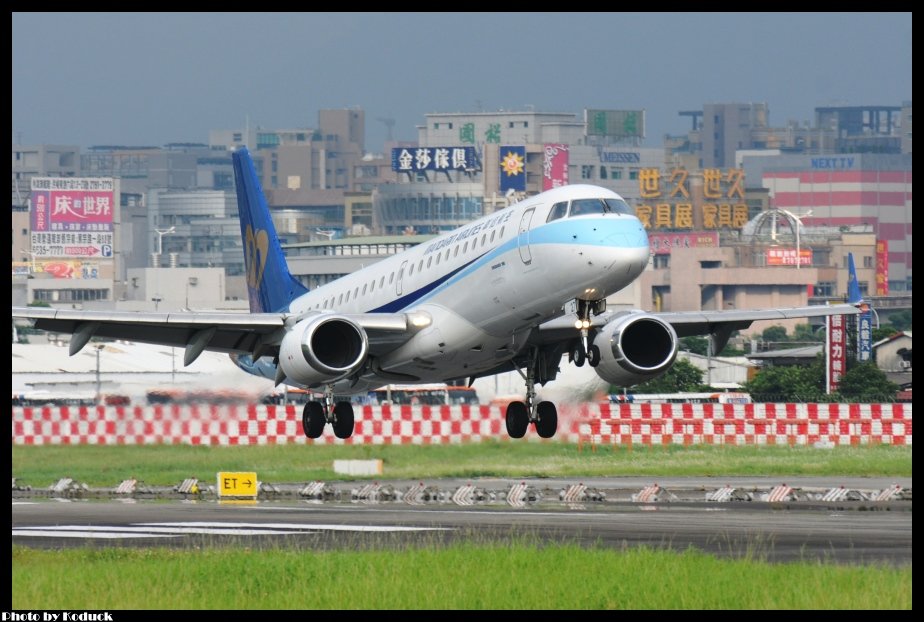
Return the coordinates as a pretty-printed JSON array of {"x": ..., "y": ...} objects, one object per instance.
[
  {"x": 317, "y": 414},
  {"x": 582, "y": 349},
  {"x": 520, "y": 414}
]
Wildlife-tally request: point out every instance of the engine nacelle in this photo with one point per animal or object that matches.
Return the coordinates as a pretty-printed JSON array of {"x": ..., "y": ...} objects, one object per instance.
[
  {"x": 323, "y": 349},
  {"x": 635, "y": 347}
]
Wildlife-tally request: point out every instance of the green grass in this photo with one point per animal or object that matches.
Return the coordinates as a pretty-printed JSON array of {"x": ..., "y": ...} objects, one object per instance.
[
  {"x": 462, "y": 576},
  {"x": 40, "y": 466}
]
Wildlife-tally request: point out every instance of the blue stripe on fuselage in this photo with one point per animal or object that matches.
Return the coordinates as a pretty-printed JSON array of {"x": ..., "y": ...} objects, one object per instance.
[{"x": 582, "y": 230}]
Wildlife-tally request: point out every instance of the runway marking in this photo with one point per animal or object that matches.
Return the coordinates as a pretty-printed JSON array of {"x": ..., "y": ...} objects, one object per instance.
[
  {"x": 102, "y": 535},
  {"x": 172, "y": 528},
  {"x": 23, "y": 502},
  {"x": 331, "y": 527},
  {"x": 453, "y": 512}
]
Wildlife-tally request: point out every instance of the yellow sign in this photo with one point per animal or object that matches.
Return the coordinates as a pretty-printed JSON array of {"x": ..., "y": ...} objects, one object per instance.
[{"x": 232, "y": 484}]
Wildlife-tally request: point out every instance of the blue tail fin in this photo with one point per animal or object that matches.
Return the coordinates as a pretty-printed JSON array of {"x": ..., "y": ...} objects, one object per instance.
[
  {"x": 853, "y": 285},
  {"x": 270, "y": 285}
]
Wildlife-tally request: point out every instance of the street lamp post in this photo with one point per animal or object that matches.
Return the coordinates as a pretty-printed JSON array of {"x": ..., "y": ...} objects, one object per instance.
[
  {"x": 99, "y": 348},
  {"x": 160, "y": 251}
]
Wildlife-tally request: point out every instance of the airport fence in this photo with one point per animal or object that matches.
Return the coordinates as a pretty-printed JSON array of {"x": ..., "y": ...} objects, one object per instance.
[{"x": 622, "y": 424}]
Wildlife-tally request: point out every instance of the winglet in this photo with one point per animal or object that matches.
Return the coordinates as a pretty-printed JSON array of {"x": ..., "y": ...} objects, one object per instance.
[
  {"x": 270, "y": 285},
  {"x": 853, "y": 285}
]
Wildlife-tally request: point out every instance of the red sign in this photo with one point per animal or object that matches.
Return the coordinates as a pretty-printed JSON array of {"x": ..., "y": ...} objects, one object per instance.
[
  {"x": 882, "y": 268},
  {"x": 554, "y": 166},
  {"x": 836, "y": 359},
  {"x": 787, "y": 256},
  {"x": 663, "y": 243}
]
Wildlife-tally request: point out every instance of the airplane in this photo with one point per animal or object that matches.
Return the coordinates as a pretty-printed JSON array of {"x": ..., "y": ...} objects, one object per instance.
[{"x": 514, "y": 290}]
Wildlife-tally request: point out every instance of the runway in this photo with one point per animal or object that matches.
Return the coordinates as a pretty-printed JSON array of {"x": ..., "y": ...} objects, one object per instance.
[{"x": 778, "y": 532}]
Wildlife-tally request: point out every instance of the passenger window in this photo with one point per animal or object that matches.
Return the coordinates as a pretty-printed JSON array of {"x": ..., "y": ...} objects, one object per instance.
[
  {"x": 492, "y": 236},
  {"x": 455, "y": 253},
  {"x": 364, "y": 289},
  {"x": 391, "y": 278},
  {"x": 340, "y": 300},
  {"x": 437, "y": 259},
  {"x": 465, "y": 248},
  {"x": 348, "y": 296},
  {"x": 484, "y": 239},
  {"x": 559, "y": 210},
  {"x": 382, "y": 281},
  {"x": 501, "y": 232},
  {"x": 429, "y": 261},
  {"x": 356, "y": 293},
  {"x": 410, "y": 270},
  {"x": 372, "y": 286},
  {"x": 446, "y": 257},
  {"x": 420, "y": 266},
  {"x": 584, "y": 207}
]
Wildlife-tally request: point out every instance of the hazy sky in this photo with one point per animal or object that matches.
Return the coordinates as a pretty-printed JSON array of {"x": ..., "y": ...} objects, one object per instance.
[{"x": 149, "y": 79}]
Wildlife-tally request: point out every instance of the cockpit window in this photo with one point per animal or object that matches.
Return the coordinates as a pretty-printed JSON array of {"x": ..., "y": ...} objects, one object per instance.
[
  {"x": 584, "y": 207},
  {"x": 559, "y": 210},
  {"x": 618, "y": 206}
]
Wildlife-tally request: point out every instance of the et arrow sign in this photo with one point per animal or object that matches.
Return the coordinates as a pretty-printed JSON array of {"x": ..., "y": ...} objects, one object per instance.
[{"x": 232, "y": 484}]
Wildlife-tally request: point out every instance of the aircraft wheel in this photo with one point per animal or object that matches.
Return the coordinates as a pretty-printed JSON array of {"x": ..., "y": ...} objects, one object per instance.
[
  {"x": 578, "y": 356},
  {"x": 547, "y": 419},
  {"x": 593, "y": 356},
  {"x": 313, "y": 419},
  {"x": 343, "y": 420},
  {"x": 517, "y": 419}
]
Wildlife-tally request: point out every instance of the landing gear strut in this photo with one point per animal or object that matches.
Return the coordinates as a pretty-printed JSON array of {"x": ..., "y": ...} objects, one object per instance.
[
  {"x": 583, "y": 349},
  {"x": 520, "y": 414},
  {"x": 317, "y": 414}
]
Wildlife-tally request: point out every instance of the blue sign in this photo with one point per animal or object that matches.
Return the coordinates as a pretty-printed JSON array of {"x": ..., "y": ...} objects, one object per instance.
[
  {"x": 839, "y": 163},
  {"x": 620, "y": 157},
  {"x": 419, "y": 159},
  {"x": 865, "y": 336},
  {"x": 513, "y": 169}
]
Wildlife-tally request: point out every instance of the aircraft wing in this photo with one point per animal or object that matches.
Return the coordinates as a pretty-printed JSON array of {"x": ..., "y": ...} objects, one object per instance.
[
  {"x": 719, "y": 324},
  {"x": 258, "y": 334}
]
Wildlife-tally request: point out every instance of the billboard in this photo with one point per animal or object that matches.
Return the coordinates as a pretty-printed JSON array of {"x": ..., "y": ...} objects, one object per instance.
[
  {"x": 882, "y": 268},
  {"x": 788, "y": 257},
  {"x": 512, "y": 169},
  {"x": 615, "y": 123},
  {"x": 663, "y": 243},
  {"x": 554, "y": 166},
  {"x": 72, "y": 216},
  {"x": 865, "y": 336},
  {"x": 836, "y": 351},
  {"x": 419, "y": 159}
]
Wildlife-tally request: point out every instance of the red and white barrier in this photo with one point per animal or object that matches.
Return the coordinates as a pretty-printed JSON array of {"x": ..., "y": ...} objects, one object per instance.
[{"x": 624, "y": 424}]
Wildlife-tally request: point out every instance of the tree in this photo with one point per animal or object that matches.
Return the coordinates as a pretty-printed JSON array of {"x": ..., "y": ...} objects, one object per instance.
[
  {"x": 901, "y": 320},
  {"x": 789, "y": 383},
  {"x": 865, "y": 382},
  {"x": 882, "y": 332},
  {"x": 682, "y": 377},
  {"x": 696, "y": 345},
  {"x": 775, "y": 333},
  {"x": 805, "y": 332}
]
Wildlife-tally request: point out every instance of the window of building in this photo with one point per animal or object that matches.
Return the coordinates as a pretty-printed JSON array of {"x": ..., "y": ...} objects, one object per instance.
[
  {"x": 602, "y": 172},
  {"x": 825, "y": 288},
  {"x": 864, "y": 288},
  {"x": 867, "y": 261},
  {"x": 633, "y": 174},
  {"x": 662, "y": 261},
  {"x": 615, "y": 173},
  {"x": 710, "y": 265},
  {"x": 587, "y": 171}
]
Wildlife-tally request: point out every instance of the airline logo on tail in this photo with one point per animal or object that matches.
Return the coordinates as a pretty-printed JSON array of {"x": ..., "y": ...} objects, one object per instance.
[{"x": 256, "y": 246}]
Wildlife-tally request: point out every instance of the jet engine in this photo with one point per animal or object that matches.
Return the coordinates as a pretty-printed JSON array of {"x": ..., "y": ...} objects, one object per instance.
[
  {"x": 323, "y": 349},
  {"x": 635, "y": 347}
]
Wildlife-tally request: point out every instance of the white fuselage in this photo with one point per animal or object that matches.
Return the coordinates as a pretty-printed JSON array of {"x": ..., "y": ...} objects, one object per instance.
[{"x": 487, "y": 284}]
